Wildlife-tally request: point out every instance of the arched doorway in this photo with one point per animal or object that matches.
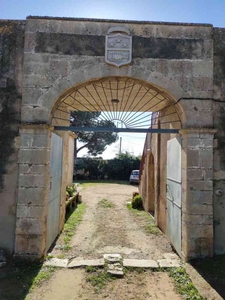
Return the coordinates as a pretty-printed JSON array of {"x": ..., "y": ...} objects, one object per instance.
[{"x": 141, "y": 96}]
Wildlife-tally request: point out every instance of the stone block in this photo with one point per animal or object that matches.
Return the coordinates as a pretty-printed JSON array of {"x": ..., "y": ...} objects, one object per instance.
[
  {"x": 199, "y": 231},
  {"x": 198, "y": 185},
  {"x": 31, "y": 141},
  {"x": 192, "y": 208},
  {"x": 180, "y": 67},
  {"x": 140, "y": 263},
  {"x": 197, "y": 219},
  {"x": 31, "y": 95},
  {"x": 29, "y": 44},
  {"x": 198, "y": 247},
  {"x": 30, "y": 211},
  {"x": 58, "y": 68},
  {"x": 33, "y": 156},
  {"x": 31, "y": 196},
  {"x": 32, "y": 180},
  {"x": 193, "y": 158},
  {"x": 37, "y": 68},
  {"x": 56, "y": 262},
  {"x": 30, "y": 226},
  {"x": 206, "y": 158},
  {"x": 194, "y": 174},
  {"x": 203, "y": 67},
  {"x": 33, "y": 114},
  {"x": 36, "y": 245},
  {"x": 39, "y": 81},
  {"x": 33, "y": 169},
  {"x": 30, "y": 58},
  {"x": 21, "y": 244},
  {"x": 34, "y": 25}
]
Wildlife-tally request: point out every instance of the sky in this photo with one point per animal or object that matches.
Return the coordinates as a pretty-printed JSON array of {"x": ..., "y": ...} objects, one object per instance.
[{"x": 191, "y": 11}]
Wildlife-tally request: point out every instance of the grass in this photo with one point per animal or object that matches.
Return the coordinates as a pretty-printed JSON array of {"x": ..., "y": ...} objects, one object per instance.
[
  {"x": 105, "y": 203},
  {"x": 87, "y": 183},
  {"x": 98, "y": 278},
  {"x": 183, "y": 284},
  {"x": 20, "y": 277},
  {"x": 72, "y": 222},
  {"x": 149, "y": 226}
]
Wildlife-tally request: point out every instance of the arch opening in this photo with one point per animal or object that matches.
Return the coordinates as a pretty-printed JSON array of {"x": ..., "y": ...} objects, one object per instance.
[{"x": 130, "y": 102}]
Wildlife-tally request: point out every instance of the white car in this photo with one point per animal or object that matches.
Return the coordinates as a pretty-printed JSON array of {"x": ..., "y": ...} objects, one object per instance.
[{"x": 134, "y": 176}]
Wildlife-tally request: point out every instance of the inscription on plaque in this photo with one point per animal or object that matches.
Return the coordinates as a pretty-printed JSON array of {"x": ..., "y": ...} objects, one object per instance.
[{"x": 118, "y": 48}]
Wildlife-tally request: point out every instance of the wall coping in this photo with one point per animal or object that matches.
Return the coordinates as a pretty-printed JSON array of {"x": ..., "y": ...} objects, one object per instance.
[{"x": 120, "y": 21}]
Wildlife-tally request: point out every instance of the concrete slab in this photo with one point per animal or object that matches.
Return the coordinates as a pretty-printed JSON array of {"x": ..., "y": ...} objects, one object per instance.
[
  {"x": 140, "y": 263},
  {"x": 169, "y": 263},
  {"x": 56, "y": 262},
  {"x": 86, "y": 262}
]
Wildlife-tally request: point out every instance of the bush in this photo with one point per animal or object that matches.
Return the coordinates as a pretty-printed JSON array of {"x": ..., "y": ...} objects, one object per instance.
[{"x": 137, "y": 202}]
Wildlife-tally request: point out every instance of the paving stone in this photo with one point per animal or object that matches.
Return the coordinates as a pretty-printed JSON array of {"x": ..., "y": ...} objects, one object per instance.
[
  {"x": 112, "y": 257},
  {"x": 169, "y": 263},
  {"x": 140, "y": 263},
  {"x": 86, "y": 262},
  {"x": 56, "y": 262},
  {"x": 170, "y": 256}
]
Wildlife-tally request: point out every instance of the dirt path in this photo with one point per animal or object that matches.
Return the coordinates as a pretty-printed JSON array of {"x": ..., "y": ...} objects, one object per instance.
[
  {"x": 113, "y": 229},
  {"x": 109, "y": 229}
]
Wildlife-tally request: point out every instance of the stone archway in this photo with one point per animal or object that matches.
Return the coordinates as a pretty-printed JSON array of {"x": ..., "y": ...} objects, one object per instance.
[{"x": 31, "y": 224}]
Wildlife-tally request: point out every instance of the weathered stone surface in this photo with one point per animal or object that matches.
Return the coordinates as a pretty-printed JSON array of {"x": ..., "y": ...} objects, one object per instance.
[
  {"x": 86, "y": 262},
  {"x": 140, "y": 263},
  {"x": 33, "y": 156},
  {"x": 56, "y": 262},
  {"x": 168, "y": 263},
  {"x": 111, "y": 258},
  {"x": 116, "y": 273}
]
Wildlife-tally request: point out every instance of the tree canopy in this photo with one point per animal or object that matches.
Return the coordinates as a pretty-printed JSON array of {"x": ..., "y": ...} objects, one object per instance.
[{"x": 95, "y": 142}]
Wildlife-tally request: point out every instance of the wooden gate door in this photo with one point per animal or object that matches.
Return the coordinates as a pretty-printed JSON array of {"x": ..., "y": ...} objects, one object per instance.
[
  {"x": 173, "y": 188},
  {"x": 53, "y": 218}
]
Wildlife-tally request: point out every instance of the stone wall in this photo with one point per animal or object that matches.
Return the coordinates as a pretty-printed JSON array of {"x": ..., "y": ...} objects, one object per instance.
[
  {"x": 184, "y": 61},
  {"x": 11, "y": 79},
  {"x": 219, "y": 145}
]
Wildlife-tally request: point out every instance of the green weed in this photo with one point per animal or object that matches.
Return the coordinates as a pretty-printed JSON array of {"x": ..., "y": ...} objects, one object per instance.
[
  {"x": 98, "y": 278},
  {"x": 105, "y": 203},
  {"x": 150, "y": 226},
  {"x": 184, "y": 285},
  {"x": 71, "y": 224}
]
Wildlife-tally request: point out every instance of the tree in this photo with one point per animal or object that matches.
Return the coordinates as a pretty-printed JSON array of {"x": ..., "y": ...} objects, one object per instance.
[{"x": 95, "y": 142}]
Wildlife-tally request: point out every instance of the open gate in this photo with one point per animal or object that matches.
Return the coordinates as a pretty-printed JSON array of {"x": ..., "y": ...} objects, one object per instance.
[
  {"x": 173, "y": 189},
  {"x": 53, "y": 219}
]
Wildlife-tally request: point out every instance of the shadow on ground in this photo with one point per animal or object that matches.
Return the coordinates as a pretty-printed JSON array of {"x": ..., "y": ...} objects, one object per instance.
[
  {"x": 16, "y": 279},
  {"x": 213, "y": 271}
]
